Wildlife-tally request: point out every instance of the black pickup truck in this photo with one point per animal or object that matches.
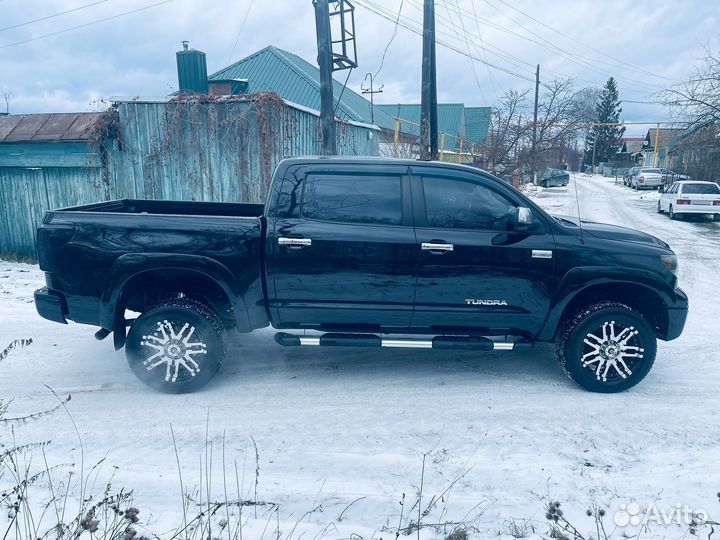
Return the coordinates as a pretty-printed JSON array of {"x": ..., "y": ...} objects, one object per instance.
[{"x": 362, "y": 252}]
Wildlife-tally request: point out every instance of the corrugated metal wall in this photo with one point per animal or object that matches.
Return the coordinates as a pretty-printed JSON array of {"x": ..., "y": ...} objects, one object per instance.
[
  {"x": 216, "y": 151},
  {"x": 203, "y": 152}
]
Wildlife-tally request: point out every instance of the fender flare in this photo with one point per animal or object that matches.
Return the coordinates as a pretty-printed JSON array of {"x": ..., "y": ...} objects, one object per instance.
[
  {"x": 582, "y": 278},
  {"x": 129, "y": 266}
]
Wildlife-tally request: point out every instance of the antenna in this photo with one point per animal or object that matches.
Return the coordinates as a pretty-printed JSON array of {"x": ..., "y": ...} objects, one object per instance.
[{"x": 577, "y": 202}]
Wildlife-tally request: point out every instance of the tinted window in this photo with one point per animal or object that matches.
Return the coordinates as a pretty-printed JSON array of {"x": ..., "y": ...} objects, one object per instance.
[
  {"x": 459, "y": 204},
  {"x": 701, "y": 189},
  {"x": 651, "y": 171},
  {"x": 353, "y": 199}
]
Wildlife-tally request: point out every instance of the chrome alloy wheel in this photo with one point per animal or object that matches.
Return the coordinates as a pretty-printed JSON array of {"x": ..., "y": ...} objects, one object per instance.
[
  {"x": 612, "y": 351},
  {"x": 174, "y": 349}
]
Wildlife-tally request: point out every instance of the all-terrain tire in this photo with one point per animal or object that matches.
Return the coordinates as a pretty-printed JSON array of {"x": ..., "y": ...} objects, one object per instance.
[
  {"x": 574, "y": 344},
  {"x": 176, "y": 346}
]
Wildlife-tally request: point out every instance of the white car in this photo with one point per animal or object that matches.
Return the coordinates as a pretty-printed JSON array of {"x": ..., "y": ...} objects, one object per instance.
[
  {"x": 684, "y": 198},
  {"x": 646, "y": 177}
]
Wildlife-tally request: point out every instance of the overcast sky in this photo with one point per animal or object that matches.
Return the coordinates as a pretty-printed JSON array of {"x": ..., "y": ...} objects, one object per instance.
[{"x": 645, "y": 44}]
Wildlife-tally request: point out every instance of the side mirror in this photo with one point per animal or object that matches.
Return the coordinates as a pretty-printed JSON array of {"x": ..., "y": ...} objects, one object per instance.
[
  {"x": 522, "y": 219},
  {"x": 661, "y": 189}
]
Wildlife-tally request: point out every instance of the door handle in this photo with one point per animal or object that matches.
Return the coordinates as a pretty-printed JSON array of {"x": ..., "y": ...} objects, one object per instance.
[
  {"x": 294, "y": 242},
  {"x": 431, "y": 246}
]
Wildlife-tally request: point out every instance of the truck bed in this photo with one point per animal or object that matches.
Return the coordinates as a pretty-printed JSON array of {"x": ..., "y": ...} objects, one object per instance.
[
  {"x": 92, "y": 252},
  {"x": 181, "y": 208}
]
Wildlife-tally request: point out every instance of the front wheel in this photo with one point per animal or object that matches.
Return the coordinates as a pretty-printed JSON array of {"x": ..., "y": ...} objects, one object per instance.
[
  {"x": 176, "y": 346},
  {"x": 607, "y": 347}
]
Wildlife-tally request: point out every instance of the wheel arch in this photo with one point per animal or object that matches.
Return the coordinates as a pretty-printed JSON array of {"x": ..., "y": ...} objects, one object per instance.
[
  {"x": 140, "y": 280},
  {"x": 647, "y": 297}
]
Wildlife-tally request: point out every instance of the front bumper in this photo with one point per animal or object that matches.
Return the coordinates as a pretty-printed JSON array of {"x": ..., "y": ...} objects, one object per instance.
[
  {"x": 677, "y": 315},
  {"x": 51, "y": 305}
]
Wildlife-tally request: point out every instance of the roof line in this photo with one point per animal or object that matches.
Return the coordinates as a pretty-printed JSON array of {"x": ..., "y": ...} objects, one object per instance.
[
  {"x": 275, "y": 51},
  {"x": 291, "y": 104}
]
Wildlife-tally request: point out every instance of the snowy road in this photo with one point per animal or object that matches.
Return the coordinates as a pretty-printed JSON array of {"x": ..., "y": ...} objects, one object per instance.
[{"x": 332, "y": 427}]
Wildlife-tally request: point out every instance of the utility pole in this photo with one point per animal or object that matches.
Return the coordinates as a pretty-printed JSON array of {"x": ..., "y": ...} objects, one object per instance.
[
  {"x": 325, "y": 61},
  {"x": 372, "y": 92},
  {"x": 428, "y": 117},
  {"x": 534, "y": 135}
]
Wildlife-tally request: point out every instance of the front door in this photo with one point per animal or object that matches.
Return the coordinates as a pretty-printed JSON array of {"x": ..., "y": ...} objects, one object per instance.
[
  {"x": 342, "y": 256},
  {"x": 475, "y": 272}
]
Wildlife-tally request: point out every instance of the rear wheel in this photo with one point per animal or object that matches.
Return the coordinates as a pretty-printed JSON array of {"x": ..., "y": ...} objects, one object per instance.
[
  {"x": 672, "y": 214},
  {"x": 176, "y": 346},
  {"x": 607, "y": 347},
  {"x": 659, "y": 208}
]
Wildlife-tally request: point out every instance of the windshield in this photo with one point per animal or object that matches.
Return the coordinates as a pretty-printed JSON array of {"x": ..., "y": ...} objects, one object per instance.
[{"x": 701, "y": 189}]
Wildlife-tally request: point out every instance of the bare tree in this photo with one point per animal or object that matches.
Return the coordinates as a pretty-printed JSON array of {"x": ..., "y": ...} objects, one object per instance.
[
  {"x": 563, "y": 115},
  {"x": 697, "y": 101},
  {"x": 698, "y": 98},
  {"x": 7, "y": 96},
  {"x": 508, "y": 127}
]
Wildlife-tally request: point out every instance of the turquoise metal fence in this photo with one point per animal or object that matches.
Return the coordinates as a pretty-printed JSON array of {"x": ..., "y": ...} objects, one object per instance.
[{"x": 204, "y": 151}]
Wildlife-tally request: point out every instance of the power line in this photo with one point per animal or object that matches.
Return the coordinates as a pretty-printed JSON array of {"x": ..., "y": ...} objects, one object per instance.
[
  {"x": 467, "y": 44},
  {"x": 52, "y": 16},
  {"x": 392, "y": 37},
  {"x": 514, "y": 59},
  {"x": 379, "y": 10},
  {"x": 65, "y": 30},
  {"x": 242, "y": 26},
  {"x": 573, "y": 57},
  {"x": 635, "y": 68},
  {"x": 498, "y": 52},
  {"x": 482, "y": 48}
]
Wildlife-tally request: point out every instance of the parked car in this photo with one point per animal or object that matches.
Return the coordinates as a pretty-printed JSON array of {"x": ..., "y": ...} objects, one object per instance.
[
  {"x": 554, "y": 177},
  {"x": 690, "y": 197},
  {"x": 367, "y": 253},
  {"x": 629, "y": 174},
  {"x": 668, "y": 176},
  {"x": 646, "y": 177}
]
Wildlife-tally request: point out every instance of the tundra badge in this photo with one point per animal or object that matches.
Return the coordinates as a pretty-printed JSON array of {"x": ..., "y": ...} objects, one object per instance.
[
  {"x": 541, "y": 254},
  {"x": 476, "y": 302}
]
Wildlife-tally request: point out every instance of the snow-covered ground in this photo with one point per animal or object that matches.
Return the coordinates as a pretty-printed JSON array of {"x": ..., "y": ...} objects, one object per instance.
[{"x": 506, "y": 433}]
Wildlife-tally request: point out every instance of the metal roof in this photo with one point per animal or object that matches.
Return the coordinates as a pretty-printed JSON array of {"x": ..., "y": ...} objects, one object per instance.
[
  {"x": 275, "y": 70},
  {"x": 451, "y": 119},
  {"x": 477, "y": 123},
  {"x": 47, "y": 127}
]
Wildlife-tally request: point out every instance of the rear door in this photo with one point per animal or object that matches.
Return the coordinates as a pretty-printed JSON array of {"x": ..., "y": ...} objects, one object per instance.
[
  {"x": 474, "y": 271},
  {"x": 340, "y": 252},
  {"x": 667, "y": 198}
]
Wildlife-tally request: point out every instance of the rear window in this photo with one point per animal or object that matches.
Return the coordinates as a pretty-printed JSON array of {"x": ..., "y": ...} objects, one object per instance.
[
  {"x": 353, "y": 199},
  {"x": 700, "y": 189},
  {"x": 653, "y": 171}
]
